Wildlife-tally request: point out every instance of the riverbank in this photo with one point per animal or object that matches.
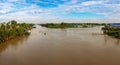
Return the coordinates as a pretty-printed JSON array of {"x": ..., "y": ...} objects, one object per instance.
[
  {"x": 71, "y": 25},
  {"x": 112, "y": 31},
  {"x": 13, "y": 29}
]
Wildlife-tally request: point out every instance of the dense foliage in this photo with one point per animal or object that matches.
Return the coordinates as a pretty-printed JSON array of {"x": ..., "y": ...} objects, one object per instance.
[
  {"x": 112, "y": 31},
  {"x": 12, "y": 29},
  {"x": 70, "y": 25}
]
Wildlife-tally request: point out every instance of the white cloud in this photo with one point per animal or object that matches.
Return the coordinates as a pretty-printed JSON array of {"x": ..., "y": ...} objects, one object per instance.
[
  {"x": 89, "y": 3},
  {"x": 95, "y": 6},
  {"x": 6, "y": 7},
  {"x": 36, "y": 13},
  {"x": 2, "y": 11}
]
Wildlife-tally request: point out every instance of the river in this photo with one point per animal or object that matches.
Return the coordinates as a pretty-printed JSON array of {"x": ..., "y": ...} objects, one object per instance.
[{"x": 72, "y": 46}]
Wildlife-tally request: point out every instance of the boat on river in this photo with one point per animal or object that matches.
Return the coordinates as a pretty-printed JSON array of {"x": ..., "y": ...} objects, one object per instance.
[{"x": 27, "y": 32}]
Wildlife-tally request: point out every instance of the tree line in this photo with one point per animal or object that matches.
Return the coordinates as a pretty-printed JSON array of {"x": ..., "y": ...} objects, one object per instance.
[
  {"x": 71, "y": 25},
  {"x": 112, "y": 31}
]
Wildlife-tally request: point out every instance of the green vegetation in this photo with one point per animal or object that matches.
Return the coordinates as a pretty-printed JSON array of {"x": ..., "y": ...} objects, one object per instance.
[
  {"x": 112, "y": 31},
  {"x": 70, "y": 25},
  {"x": 12, "y": 29},
  {"x": 57, "y": 25}
]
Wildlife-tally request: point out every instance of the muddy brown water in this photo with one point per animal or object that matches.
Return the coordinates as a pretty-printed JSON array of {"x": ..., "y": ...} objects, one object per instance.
[{"x": 73, "y": 46}]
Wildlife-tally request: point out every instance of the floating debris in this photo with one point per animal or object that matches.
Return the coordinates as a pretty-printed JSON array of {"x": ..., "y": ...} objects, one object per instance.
[{"x": 44, "y": 33}]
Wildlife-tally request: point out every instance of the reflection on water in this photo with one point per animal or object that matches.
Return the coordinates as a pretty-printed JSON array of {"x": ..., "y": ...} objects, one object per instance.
[
  {"x": 107, "y": 40},
  {"x": 72, "y": 46},
  {"x": 13, "y": 42},
  {"x": 118, "y": 41}
]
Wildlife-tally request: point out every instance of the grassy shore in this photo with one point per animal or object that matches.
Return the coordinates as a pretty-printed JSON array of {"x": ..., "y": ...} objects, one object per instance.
[
  {"x": 12, "y": 29},
  {"x": 112, "y": 31}
]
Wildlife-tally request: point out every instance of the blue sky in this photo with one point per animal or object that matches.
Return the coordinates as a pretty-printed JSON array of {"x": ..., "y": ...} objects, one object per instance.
[{"x": 42, "y": 11}]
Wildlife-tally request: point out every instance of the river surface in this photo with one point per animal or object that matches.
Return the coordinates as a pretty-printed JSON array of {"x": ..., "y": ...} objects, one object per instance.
[{"x": 73, "y": 46}]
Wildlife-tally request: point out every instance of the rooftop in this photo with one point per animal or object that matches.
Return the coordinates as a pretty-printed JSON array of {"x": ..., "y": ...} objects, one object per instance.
[{"x": 115, "y": 24}]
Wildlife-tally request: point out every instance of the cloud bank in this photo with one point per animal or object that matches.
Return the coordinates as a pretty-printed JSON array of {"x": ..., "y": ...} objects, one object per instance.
[{"x": 42, "y": 11}]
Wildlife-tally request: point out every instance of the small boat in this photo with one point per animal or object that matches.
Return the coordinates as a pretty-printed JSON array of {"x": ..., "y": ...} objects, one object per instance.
[
  {"x": 44, "y": 33},
  {"x": 28, "y": 32}
]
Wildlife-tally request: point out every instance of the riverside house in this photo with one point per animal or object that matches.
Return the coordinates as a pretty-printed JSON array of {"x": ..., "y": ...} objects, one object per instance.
[{"x": 115, "y": 25}]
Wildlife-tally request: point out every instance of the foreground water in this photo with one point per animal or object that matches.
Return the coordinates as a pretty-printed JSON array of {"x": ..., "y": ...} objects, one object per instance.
[{"x": 74, "y": 46}]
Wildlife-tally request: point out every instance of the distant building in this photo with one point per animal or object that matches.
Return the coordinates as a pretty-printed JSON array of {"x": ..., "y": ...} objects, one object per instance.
[{"x": 114, "y": 25}]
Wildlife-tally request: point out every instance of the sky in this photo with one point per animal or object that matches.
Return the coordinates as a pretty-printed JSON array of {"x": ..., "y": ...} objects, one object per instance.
[{"x": 45, "y": 11}]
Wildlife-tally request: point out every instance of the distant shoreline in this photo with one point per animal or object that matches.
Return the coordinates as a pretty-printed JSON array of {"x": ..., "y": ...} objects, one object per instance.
[{"x": 71, "y": 25}]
